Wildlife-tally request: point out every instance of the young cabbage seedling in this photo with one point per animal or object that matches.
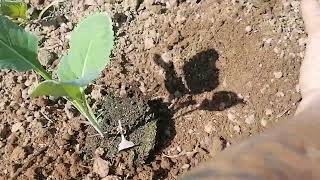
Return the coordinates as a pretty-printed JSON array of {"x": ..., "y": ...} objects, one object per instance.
[
  {"x": 90, "y": 48},
  {"x": 14, "y": 9}
]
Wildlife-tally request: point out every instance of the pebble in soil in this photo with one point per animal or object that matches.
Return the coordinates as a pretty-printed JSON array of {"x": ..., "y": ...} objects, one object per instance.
[{"x": 139, "y": 122}]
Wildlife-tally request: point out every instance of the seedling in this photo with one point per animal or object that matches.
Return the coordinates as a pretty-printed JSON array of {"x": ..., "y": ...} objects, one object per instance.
[
  {"x": 14, "y": 9},
  {"x": 90, "y": 48}
]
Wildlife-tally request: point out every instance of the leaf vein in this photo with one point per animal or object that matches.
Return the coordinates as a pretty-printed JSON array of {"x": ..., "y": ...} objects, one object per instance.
[
  {"x": 18, "y": 54},
  {"x": 86, "y": 59}
]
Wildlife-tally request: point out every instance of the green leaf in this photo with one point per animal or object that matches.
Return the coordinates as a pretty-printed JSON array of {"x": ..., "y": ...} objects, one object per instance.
[
  {"x": 90, "y": 48},
  {"x": 18, "y": 48},
  {"x": 57, "y": 89},
  {"x": 13, "y": 9}
]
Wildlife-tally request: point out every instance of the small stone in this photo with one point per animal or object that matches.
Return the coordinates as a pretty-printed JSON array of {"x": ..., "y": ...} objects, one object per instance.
[
  {"x": 185, "y": 166},
  {"x": 24, "y": 94},
  {"x": 302, "y": 41},
  {"x": 148, "y": 3},
  {"x": 37, "y": 114},
  {"x": 171, "y": 3},
  {"x": 280, "y": 94},
  {"x": 45, "y": 57},
  {"x": 250, "y": 119},
  {"x": 228, "y": 144},
  {"x": 16, "y": 127},
  {"x": 208, "y": 128},
  {"x": 216, "y": 146},
  {"x": 268, "y": 41},
  {"x": 179, "y": 149},
  {"x": 148, "y": 43},
  {"x": 268, "y": 112},
  {"x": 62, "y": 169},
  {"x": 19, "y": 79},
  {"x": 248, "y": 29},
  {"x": 2, "y": 105},
  {"x": 174, "y": 38},
  {"x": 131, "y": 4},
  {"x": 28, "y": 83},
  {"x": 18, "y": 153},
  {"x": 231, "y": 117},
  {"x": 278, "y": 75},
  {"x": 101, "y": 167},
  {"x": 165, "y": 163},
  {"x": 263, "y": 122},
  {"x": 236, "y": 128},
  {"x": 96, "y": 94},
  {"x": 143, "y": 88},
  {"x": 99, "y": 152}
]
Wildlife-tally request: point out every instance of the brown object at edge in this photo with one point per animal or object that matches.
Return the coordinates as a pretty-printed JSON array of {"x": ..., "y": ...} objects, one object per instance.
[{"x": 290, "y": 151}]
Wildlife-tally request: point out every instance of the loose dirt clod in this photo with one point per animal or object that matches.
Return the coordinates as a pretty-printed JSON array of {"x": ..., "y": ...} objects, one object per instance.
[{"x": 101, "y": 167}]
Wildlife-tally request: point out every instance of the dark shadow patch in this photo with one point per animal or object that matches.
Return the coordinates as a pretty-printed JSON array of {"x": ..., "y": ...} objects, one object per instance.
[
  {"x": 201, "y": 73},
  {"x": 160, "y": 174},
  {"x": 221, "y": 101},
  {"x": 172, "y": 82},
  {"x": 5, "y": 132},
  {"x": 165, "y": 126}
]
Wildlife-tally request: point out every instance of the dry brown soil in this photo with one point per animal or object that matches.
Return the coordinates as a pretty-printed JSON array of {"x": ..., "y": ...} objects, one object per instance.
[{"x": 222, "y": 70}]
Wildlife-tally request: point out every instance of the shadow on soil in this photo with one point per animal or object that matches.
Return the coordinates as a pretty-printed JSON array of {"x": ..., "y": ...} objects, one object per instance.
[
  {"x": 165, "y": 126},
  {"x": 200, "y": 75}
]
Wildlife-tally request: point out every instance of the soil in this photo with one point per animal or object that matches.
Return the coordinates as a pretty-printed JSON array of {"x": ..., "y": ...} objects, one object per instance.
[{"x": 206, "y": 74}]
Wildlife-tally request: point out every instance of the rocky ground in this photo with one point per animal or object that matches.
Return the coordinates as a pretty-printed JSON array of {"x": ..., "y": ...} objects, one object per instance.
[{"x": 219, "y": 70}]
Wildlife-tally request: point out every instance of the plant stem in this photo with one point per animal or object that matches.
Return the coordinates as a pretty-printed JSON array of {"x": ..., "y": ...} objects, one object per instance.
[
  {"x": 81, "y": 104},
  {"x": 44, "y": 74},
  {"x": 86, "y": 111}
]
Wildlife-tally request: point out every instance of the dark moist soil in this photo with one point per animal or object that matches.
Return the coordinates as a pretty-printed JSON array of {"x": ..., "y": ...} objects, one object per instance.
[
  {"x": 189, "y": 79},
  {"x": 145, "y": 122},
  {"x": 142, "y": 121}
]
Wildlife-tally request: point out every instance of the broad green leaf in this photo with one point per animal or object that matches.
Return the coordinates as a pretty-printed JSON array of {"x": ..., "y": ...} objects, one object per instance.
[
  {"x": 57, "y": 89},
  {"x": 13, "y": 9},
  {"x": 18, "y": 48},
  {"x": 90, "y": 48}
]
